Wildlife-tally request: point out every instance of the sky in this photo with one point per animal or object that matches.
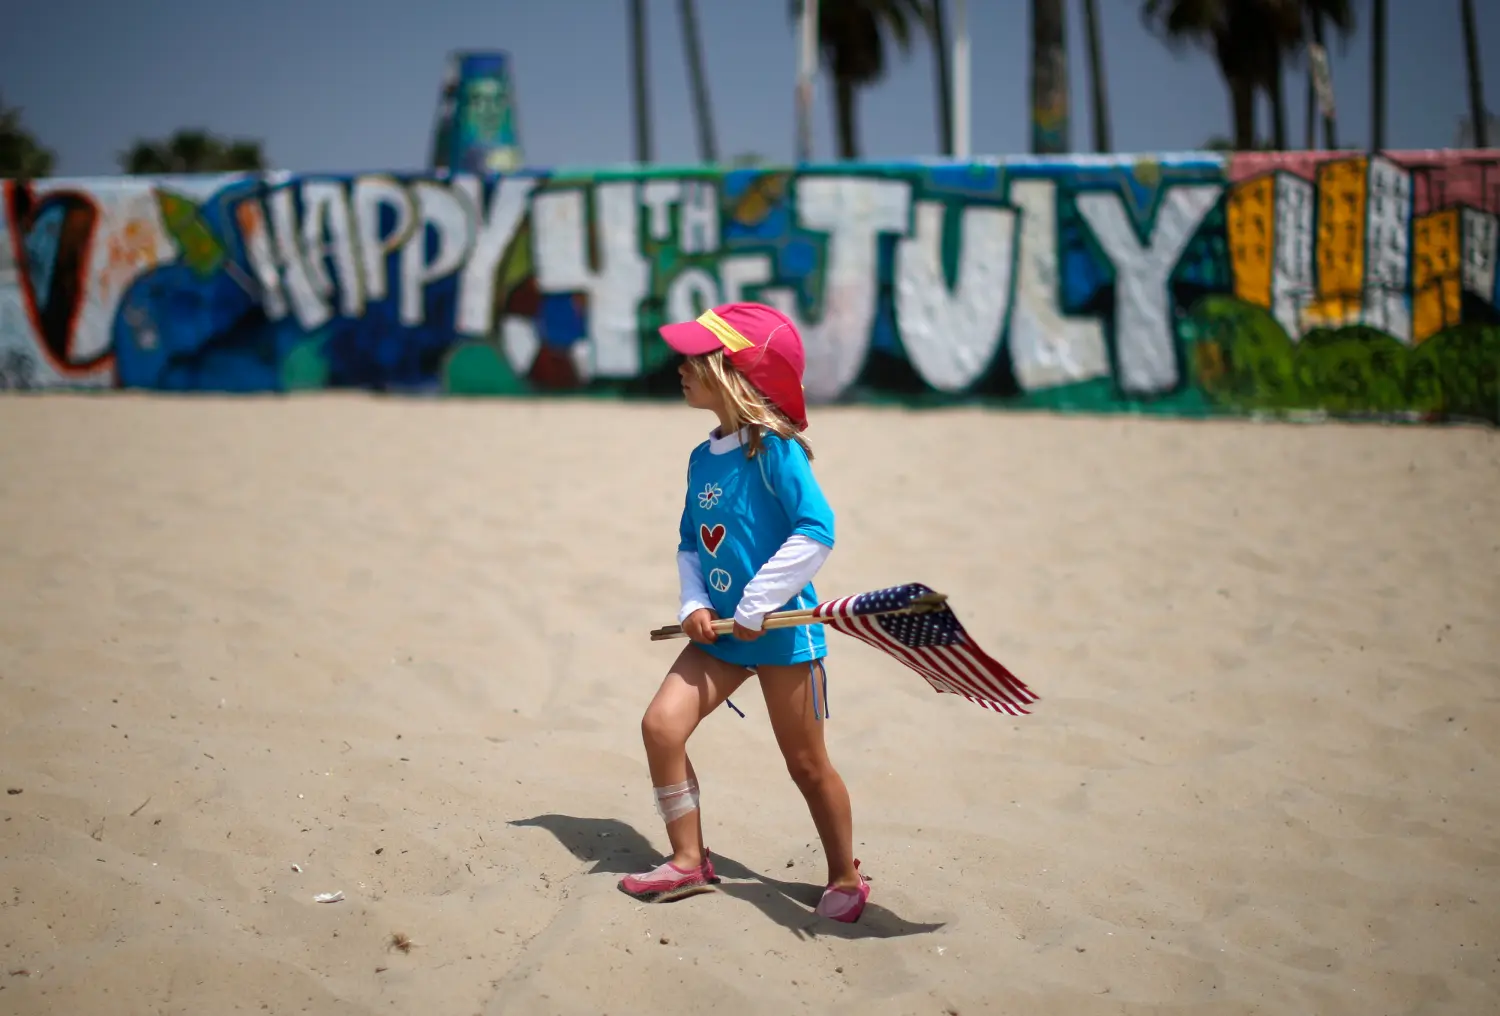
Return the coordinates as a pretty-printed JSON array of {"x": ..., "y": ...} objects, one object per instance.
[{"x": 351, "y": 85}]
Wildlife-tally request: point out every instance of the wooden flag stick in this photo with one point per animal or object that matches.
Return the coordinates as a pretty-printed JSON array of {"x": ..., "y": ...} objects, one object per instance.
[{"x": 792, "y": 618}]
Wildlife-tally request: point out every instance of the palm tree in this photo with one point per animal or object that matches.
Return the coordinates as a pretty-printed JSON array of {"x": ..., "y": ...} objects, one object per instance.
[
  {"x": 692, "y": 46},
  {"x": 1272, "y": 84},
  {"x": 1249, "y": 40},
  {"x": 938, "y": 17},
  {"x": 852, "y": 35},
  {"x": 192, "y": 151},
  {"x": 1377, "y": 77},
  {"x": 1339, "y": 14},
  {"x": 1050, "y": 128},
  {"x": 1476, "y": 87},
  {"x": 1093, "y": 32},
  {"x": 22, "y": 156},
  {"x": 642, "y": 102}
]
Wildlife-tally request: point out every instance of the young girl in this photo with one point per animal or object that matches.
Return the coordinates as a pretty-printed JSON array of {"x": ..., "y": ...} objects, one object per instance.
[{"x": 755, "y": 528}]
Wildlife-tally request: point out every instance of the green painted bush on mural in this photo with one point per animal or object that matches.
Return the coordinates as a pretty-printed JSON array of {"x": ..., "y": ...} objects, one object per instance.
[
  {"x": 305, "y": 367},
  {"x": 1244, "y": 358},
  {"x": 1246, "y": 361},
  {"x": 1462, "y": 364},
  {"x": 480, "y": 368},
  {"x": 1355, "y": 369}
]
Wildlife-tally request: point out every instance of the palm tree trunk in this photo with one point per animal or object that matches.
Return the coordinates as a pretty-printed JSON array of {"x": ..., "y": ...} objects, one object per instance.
[
  {"x": 1310, "y": 114},
  {"x": 1049, "y": 79},
  {"x": 1310, "y": 108},
  {"x": 692, "y": 45},
  {"x": 1096, "y": 76},
  {"x": 643, "y": 153},
  {"x": 1330, "y": 129},
  {"x": 944, "y": 76},
  {"x": 1476, "y": 87},
  {"x": 1278, "y": 107},
  {"x": 963, "y": 107},
  {"x": 1377, "y": 77},
  {"x": 1242, "y": 111},
  {"x": 843, "y": 112},
  {"x": 809, "y": 33}
]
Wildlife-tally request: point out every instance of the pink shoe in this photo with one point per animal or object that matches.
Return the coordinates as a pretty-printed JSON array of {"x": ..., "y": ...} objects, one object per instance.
[
  {"x": 845, "y": 905},
  {"x": 667, "y": 882}
]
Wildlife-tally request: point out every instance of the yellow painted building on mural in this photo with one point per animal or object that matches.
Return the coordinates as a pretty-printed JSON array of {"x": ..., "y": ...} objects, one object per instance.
[
  {"x": 1437, "y": 288},
  {"x": 1340, "y": 244},
  {"x": 1453, "y": 252},
  {"x": 1249, "y": 217},
  {"x": 1269, "y": 223}
]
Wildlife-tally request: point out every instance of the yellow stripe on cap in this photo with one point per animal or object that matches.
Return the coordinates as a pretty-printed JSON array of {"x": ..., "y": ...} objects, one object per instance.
[{"x": 724, "y": 332}]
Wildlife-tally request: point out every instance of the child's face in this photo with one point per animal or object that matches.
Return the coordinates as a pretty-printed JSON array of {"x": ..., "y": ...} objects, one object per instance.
[{"x": 694, "y": 391}]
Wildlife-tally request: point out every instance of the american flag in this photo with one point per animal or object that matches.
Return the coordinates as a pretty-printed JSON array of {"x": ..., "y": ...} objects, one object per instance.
[{"x": 931, "y": 642}]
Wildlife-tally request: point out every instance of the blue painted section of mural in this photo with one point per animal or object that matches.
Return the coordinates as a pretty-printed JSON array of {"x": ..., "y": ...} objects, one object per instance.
[{"x": 1186, "y": 284}]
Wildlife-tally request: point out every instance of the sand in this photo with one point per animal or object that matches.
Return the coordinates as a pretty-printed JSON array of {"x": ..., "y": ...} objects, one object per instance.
[{"x": 402, "y": 646}]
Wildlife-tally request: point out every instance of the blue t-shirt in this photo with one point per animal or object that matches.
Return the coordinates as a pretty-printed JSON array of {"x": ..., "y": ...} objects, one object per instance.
[{"x": 738, "y": 512}]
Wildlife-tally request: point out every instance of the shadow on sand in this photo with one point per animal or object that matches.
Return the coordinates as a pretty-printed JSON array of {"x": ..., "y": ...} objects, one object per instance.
[{"x": 618, "y": 849}]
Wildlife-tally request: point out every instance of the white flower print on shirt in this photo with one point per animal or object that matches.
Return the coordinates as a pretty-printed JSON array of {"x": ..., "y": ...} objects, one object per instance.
[{"x": 710, "y": 495}]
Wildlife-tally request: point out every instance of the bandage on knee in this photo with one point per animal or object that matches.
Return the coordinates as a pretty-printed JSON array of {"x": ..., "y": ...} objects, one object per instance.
[{"x": 677, "y": 800}]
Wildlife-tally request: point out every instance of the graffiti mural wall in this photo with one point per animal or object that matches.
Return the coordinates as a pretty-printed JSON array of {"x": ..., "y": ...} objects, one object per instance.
[{"x": 1190, "y": 285}]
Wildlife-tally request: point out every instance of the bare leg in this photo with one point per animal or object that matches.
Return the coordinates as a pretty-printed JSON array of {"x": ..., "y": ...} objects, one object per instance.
[
  {"x": 799, "y": 733},
  {"x": 696, "y": 685}
]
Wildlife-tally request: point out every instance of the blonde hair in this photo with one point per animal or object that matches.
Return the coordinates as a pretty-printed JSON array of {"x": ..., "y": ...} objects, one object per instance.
[{"x": 744, "y": 405}]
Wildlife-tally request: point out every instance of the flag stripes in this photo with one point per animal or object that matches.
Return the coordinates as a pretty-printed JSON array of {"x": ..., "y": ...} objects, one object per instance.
[{"x": 931, "y": 642}]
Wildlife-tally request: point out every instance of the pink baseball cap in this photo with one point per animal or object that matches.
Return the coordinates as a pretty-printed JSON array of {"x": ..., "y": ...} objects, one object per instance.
[{"x": 761, "y": 342}]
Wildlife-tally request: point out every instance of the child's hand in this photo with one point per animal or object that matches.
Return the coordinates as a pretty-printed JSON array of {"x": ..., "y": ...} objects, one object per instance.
[
  {"x": 747, "y": 634},
  {"x": 699, "y": 625}
]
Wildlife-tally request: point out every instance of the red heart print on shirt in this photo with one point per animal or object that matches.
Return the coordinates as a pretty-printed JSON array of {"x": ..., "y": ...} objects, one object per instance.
[{"x": 711, "y": 537}]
